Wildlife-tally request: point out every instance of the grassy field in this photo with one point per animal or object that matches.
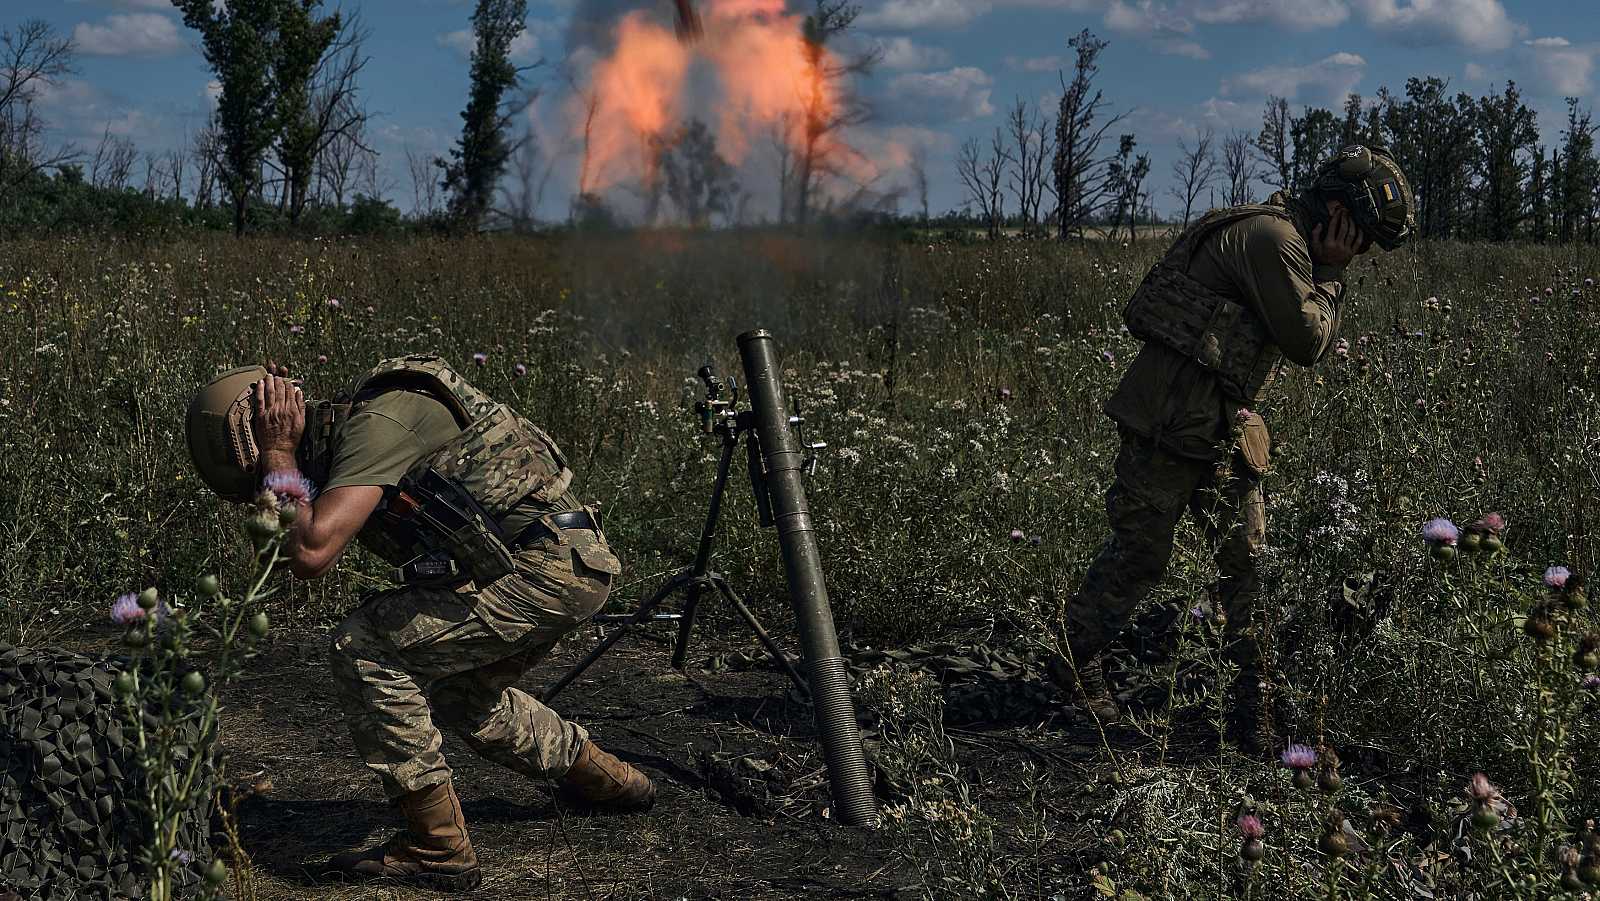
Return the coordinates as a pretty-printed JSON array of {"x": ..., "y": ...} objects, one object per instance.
[{"x": 958, "y": 387}]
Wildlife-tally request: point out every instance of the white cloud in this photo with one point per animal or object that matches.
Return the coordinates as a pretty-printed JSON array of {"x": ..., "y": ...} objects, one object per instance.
[
  {"x": 902, "y": 53},
  {"x": 1166, "y": 29},
  {"x": 1327, "y": 80},
  {"x": 1474, "y": 72},
  {"x": 960, "y": 93},
  {"x": 1300, "y": 15},
  {"x": 1036, "y": 63},
  {"x": 1480, "y": 24},
  {"x": 524, "y": 47},
  {"x": 129, "y": 34},
  {"x": 925, "y": 13},
  {"x": 163, "y": 5},
  {"x": 1559, "y": 66}
]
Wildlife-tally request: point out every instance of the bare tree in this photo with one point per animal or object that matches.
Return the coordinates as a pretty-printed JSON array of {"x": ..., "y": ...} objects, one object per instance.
[
  {"x": 828, "y": 105},
  {"x": 177, "y": 161},
  {"x": 1032, "y": 142},
  {"x": 781, "y": 134},
  {"x": 523, "y": 192},
  {"x": 919, "y": 177},
  {"x": 424, "y": 183},
  {"x": 113, "y": 161},
  {"x": 1081, "y": 188},
  {"x": 1239, "y": 167},
  {"x": 336, "y": 125},
  {"x": 1273, "y": 142},
  {"x": 205, "y": 151},
  {"x": 984, "y": 178},
  {"x": 1194, "y": 169},
  {"x": 155, "y": 176},
  {"x": 32, "y": 58}
]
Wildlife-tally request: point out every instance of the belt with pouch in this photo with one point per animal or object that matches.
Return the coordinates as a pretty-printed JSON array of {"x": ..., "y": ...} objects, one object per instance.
[{"x": 442, "y": 568}]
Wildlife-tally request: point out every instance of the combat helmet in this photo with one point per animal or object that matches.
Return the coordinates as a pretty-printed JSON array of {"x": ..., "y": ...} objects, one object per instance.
[
  {"x": 220, "y": 440},
  {"x": 1366, "y": 178}
]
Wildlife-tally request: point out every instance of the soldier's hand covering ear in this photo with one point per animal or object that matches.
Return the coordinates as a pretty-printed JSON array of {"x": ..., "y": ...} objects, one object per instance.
[
  {"x": 1338, "y": 243},
  {"x": 280, "y": 415}
]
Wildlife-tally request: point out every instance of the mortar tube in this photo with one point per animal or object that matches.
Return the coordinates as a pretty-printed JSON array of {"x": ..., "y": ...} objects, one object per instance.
[{"x": 849, "y": 778}]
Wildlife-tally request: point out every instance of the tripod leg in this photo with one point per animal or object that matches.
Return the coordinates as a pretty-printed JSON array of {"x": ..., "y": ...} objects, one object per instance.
[
  {"x": 733, "y": 598},
  {"x": 639, "y": 616},
  {"x": 680, "y": 648}
]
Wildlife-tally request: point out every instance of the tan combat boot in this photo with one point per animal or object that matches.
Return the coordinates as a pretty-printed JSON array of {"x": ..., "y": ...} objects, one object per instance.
[
  {"x": 1085, "y": 686},
  {"x": 432, "y": 851},
  {"x": 599, "y": 782}
]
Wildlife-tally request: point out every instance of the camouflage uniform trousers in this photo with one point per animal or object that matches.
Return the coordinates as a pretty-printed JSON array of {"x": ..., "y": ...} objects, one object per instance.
[
  {"x": 1153, "y": 488},
  {"x": 416, "y": 656}
]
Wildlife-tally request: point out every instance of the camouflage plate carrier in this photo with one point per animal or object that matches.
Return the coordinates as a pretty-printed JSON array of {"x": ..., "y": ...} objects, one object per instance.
[
  {"x": 1228, "y": 339},
  {"x": 442, "y": 521}
]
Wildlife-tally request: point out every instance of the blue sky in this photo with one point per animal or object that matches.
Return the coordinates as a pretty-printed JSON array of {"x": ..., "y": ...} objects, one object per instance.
[{"x": 950, "y": 68}]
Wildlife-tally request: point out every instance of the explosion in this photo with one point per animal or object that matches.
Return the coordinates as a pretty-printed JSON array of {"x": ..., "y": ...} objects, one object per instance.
[{"x": 768, "y": 79}]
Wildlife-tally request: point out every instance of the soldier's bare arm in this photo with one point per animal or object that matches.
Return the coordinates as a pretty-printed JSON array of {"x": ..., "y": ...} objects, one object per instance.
[
  {"x": 323, "y": 530},
  {"x": 324, "y": 527}
]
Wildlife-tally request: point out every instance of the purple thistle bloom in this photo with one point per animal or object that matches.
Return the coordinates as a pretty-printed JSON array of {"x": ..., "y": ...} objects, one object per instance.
[
  {"x": 1493, "y": 522},
  {"x": 1480, "y": 789},
  {"x": 1588, "y": 283},
  {"x": 1250, "y": 826},
  {"x": 182, "y": 856},
  {"x": 125, "y": 610},
  {"x": 1341, "y": 348},
  {"x": 1108, "y": 356},
  {"x": 333, "y": 303},
  {"x": 1440, "y": 531},
  {"x": 1299, "y": 757},
  {"x": 1591, "y": 682},
  {"x": 1197, "y": 612},
  {"x": 290, "y": 487},
  {"x": 1549, "y": 292},
  {"x": 296, "y": 329},
  {"x": 480, "y": 358},
  {"x": 1557, "y": 576},
  {"x": 1018, "y": 535},
  {"x": 520, "y": 370}
]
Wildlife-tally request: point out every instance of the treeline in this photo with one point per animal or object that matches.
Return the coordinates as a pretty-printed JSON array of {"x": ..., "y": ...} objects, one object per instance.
[
  {"x": 286, "y": 146},
  {"x": 1478, "y": 165}
]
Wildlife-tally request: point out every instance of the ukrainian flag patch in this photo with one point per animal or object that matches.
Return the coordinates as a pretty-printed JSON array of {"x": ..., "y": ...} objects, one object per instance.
[{"x": 1391, "y": 192}]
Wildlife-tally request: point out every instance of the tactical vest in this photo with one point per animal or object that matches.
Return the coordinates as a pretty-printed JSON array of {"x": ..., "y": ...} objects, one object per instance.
[
  {"x": 1217, "y": 331},
  {"x": 443, "y": 518}
]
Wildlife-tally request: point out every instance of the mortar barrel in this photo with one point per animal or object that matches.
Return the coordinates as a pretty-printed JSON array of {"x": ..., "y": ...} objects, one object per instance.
[{"x": 848, "y": 775}]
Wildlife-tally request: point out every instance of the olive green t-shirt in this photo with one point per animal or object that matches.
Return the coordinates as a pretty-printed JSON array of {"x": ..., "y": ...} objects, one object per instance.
[{"x": 386, "y": 435}]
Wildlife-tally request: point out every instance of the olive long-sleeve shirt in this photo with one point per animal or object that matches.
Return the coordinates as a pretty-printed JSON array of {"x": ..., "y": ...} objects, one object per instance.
[{"x": 1264, "y": 262}]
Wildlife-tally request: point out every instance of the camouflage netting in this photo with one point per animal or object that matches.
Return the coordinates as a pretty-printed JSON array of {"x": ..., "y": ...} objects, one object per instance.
[{"x": 67, "y": 774}]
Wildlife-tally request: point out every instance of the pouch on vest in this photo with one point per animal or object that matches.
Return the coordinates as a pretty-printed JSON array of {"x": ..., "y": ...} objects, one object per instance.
[
  {"x": 1255, "y": 445},
  {"x": 438, "y": 513}
]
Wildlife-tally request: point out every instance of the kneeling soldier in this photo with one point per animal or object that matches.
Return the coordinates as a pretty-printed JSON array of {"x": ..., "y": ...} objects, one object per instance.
[
  {"x": 1238, "y": 292},
  {"x": 496, "y": 558}
]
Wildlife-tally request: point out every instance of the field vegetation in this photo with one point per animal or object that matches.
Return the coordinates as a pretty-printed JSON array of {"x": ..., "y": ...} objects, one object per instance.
[{"x": 958, "y": 386}]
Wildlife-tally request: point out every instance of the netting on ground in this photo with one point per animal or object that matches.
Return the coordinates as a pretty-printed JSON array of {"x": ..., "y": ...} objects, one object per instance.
[{"x": 68, "y": 778}]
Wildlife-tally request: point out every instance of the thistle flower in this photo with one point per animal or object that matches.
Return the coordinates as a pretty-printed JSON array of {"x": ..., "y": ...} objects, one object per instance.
[
  {"x": 1341, "y": 348},
  {"x": 480, "y": 358},
  {"x": 296, "y": 329},
  {"x": 322, "y": 359},
  {"x": 1242, "y": 417},
  {"x": 289, "y": 487},
  {"x": 1250, "y": 826},
  {"x": 1479, "y": 789},
  {"x": 1107, "y": 356},
  {"x": 1299, "y": 757},
  {"x": 1440, "y": 531},
  {"x": 1591, "y": 682},
  {"x": 1493, "y": 523},
  {"x": 1018, "y": 535},
  {"x": 520, "y": 370},
  {"x": 1557, "y": 576},
  {"x": 125, "y": 610},
  {"x": 333, "y": 303},
  {"x": 1549, "y": 292}
]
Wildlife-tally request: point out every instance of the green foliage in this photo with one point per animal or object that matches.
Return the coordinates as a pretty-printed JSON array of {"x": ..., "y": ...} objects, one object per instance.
[
  {"x": 239, "y": 41},
  {"x": 481, "y": 152},
  {"x": 302, "y": 41}
]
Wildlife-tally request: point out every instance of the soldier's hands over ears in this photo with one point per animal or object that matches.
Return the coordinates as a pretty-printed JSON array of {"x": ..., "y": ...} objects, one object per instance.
[
  {"x": 1339, "y": 243},
  {"x": 280, "y": 415}
]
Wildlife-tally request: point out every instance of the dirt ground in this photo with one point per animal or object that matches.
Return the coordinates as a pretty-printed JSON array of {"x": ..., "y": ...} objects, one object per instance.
[{"x": 742, "y": 792}]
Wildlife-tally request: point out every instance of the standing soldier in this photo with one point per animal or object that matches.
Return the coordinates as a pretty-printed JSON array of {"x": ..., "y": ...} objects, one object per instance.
[
  {"x": 496, "y": 558},
  {"x": 1240, "y": 290}
]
